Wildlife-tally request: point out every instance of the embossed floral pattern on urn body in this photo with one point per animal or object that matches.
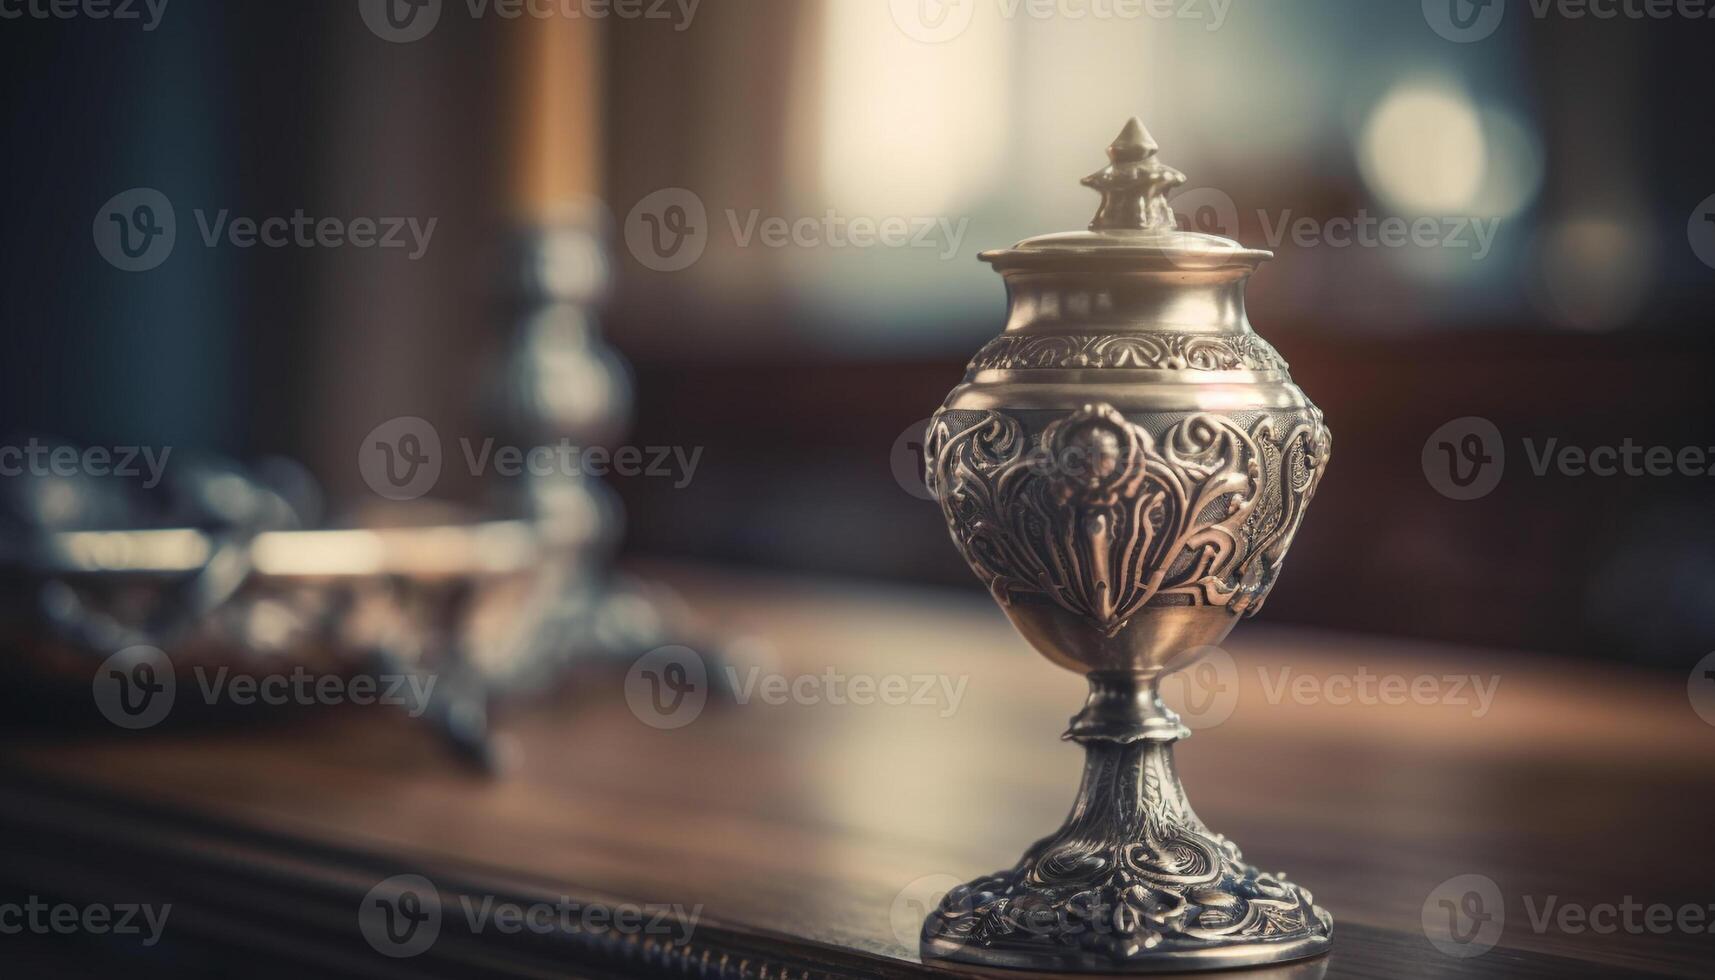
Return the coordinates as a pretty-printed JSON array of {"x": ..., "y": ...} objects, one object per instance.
[{"x": 1102, "y": 518}]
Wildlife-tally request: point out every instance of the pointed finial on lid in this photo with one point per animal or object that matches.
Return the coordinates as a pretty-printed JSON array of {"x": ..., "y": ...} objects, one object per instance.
[
  {"x": 1133, "y": 142},
  {"x": 1134, "y": 184}
]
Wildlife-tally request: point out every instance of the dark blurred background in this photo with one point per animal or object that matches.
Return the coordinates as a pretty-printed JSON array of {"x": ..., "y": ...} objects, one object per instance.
[{"x": 801, "y": 371}]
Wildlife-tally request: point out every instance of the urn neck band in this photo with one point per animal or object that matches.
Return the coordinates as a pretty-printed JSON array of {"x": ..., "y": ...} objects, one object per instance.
[{"x": 1123, "y": 304}]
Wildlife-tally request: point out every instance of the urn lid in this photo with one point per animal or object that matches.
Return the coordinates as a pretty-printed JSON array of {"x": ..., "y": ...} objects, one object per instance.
[{"x": 1134, "y": 223}]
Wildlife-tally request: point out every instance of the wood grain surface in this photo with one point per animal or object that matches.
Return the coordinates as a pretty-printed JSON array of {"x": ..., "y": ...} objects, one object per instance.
[{"x": 810, "y": 832}]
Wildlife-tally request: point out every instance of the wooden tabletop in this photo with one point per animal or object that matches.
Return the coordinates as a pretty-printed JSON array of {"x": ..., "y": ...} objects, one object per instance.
[{"x": 810, "y": 834}]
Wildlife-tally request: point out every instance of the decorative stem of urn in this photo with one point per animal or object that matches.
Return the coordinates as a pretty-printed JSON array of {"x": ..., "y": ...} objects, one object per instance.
[{"x": 1125, "y": 467}]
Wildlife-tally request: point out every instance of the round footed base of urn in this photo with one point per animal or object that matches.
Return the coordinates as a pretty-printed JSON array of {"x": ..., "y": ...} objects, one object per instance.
[
  {"x": 1133, "y": 883},
  {"x": 996, "y": 923},
  {"x": 1060, "y": 962}
]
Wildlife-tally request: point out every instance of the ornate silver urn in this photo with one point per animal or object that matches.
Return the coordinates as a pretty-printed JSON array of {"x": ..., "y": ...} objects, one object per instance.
[{"x": 1124, "y": 467}]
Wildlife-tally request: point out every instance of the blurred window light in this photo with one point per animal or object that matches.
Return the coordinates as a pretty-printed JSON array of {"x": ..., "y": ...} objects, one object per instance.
[
  {"x": 1423, "y": 151},
  {"x": 1511, "y": 177},
  {"x": 908, "y": 127}
]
